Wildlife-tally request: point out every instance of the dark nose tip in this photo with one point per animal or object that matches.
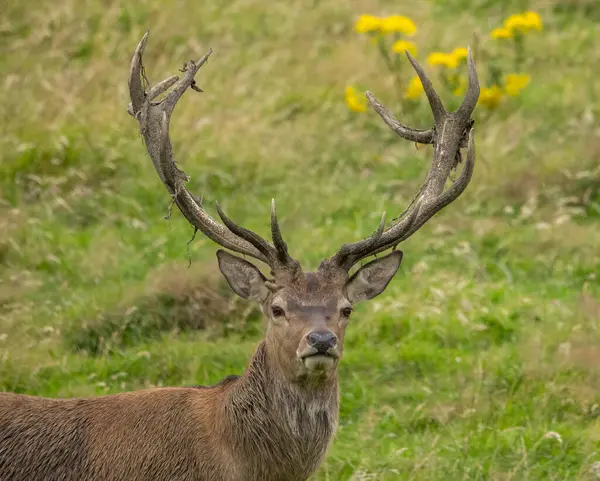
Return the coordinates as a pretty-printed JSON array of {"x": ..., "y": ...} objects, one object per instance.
[{"x": 321, "y": 340}]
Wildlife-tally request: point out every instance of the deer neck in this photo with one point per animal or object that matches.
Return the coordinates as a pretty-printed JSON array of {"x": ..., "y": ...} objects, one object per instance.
[{"x": 281, "y": 427}]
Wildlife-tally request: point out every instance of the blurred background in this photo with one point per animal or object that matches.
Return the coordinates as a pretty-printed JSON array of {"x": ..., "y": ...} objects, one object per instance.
[{"x": 480, "y": 361}]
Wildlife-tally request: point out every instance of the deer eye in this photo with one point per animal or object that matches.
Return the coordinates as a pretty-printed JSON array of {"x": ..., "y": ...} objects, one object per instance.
[
  {"x": 277, "y": 311},
  {"x": 346, "y": 311}
]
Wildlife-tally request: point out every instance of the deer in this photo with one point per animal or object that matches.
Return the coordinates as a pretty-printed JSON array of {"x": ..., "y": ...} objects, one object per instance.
[{"x": 275, "y": 421}]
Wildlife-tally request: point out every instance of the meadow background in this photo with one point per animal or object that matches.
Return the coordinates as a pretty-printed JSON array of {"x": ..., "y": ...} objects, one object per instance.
[{"x": 481, "y": 359}]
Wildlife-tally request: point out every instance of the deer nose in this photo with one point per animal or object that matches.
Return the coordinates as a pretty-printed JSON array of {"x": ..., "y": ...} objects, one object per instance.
[{"x": 322, "y": 341}]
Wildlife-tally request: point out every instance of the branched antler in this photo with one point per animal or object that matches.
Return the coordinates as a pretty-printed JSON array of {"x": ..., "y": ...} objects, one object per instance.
[
  {"x": 451, "y": 132},
  {"x": 153, "y": 118}
]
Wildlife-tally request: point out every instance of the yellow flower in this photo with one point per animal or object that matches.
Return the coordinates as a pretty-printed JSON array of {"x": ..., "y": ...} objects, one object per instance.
[
  {"x": 368, "y": 23},
  {"x": 449, "y": 60},
  {"x": 401, "y": 45},
  {"x": 443, "y": 59},
  {"x": 533, "y": 20},
  {"x": 399, "y": 24},
  {"x": 354, "y": 102},
  {"x": 501, "y": 33},
  {"x": 460, "y": 53},
  {"x": 523, "y": 22},
  {"x": 514, "y": 23},
  {"x": 414, "y": 89},
  {"x": 490, "y": 97},
  {"x": 514, "y": 83}
]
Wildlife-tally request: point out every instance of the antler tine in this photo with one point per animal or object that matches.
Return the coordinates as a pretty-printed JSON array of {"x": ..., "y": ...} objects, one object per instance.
[
  {"x": 414, "y": 135},
  {"x": 452, "y": 130},
  {"x": 280, "y": 245},
  {"x": 470, "y": 101},
  {"x": 437, "y": 108},
  {"x": 153, "y": 118},
  {"x": 136, "y": 89},
  {"x": 257, "y": 241}
]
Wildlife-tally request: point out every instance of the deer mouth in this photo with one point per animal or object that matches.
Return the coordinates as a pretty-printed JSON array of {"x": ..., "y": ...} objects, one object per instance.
[{"x": 319, "y": 360}]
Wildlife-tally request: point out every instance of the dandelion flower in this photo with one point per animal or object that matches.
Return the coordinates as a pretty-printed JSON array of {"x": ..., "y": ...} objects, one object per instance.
[
  {"x": 368, "y": 23},
  {"x": 414, "y": 89},
  {"x": 501, "y": 32},
  {"x": 457, "y": 56},
  {"x": 443, "y": 59},
  {"x": 401, "y": 45},
  {"x": 354, "y": 102},
  {"x": 516, "y": 23},
  {"x": 460, "y": 53},
  {"x": 398, "y": 24},
  {"x": 523, "y": 22},
  {"x": 490, "y": 97},
  {"x": 514, "y": 83},
  {"x": 533, "y": 20}
]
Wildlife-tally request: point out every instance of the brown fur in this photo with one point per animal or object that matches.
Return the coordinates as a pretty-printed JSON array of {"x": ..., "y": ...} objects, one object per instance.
[
  {"x": 273, "y": 423},
  {"x": 255, "y": 427}
]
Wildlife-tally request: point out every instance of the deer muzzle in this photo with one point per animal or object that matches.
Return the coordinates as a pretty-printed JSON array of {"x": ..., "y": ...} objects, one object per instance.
[{"x": 320, "y": 350}]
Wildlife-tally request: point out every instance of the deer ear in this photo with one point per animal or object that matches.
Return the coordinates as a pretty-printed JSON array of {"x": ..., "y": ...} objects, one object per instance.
[
  {"x": 372, "y": 278},
  {"x": 243, "y": 277}
]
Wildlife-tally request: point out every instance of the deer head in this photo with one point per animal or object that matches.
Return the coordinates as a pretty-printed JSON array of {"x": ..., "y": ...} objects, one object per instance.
[{"x": 308, "y": 311}]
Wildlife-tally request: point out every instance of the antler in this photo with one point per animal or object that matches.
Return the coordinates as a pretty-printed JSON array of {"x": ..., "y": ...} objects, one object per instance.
[
  {"x": 153, "y": 118},
  {"x": 451, "y": 132}
]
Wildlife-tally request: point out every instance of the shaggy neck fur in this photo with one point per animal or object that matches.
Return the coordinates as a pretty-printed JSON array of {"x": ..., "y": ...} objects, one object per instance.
[{"x": 282, "y": 428}]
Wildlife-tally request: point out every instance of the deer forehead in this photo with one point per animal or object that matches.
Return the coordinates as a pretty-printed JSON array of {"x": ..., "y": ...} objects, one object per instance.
[
  {"x": 311, "y": 293},
  {"x": 310, "y": 305}
]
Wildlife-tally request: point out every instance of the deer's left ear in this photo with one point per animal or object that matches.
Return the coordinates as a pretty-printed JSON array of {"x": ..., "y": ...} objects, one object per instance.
[{"x": 372, "y": 278}]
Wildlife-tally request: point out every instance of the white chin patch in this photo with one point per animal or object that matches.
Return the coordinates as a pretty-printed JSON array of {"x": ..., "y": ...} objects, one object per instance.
[{"x": 318, "y": 362}]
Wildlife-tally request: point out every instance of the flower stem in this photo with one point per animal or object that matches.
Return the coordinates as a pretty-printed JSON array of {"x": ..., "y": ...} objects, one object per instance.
[{"x": 389, "y": 63}]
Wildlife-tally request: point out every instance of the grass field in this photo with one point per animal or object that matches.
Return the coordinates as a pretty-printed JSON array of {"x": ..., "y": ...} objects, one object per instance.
[{"x": 480, "y": 361}]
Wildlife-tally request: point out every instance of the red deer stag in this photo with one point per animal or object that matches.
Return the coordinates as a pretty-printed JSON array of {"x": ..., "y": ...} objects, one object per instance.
[{"x": 275, "y": 421}]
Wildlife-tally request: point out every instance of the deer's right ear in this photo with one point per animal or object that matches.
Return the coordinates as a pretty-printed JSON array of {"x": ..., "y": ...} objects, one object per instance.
[{"x": 243, "y": 277}]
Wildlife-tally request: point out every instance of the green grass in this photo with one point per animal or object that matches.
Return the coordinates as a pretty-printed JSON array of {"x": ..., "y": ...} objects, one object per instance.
[{"x": 485, "y": 344}]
